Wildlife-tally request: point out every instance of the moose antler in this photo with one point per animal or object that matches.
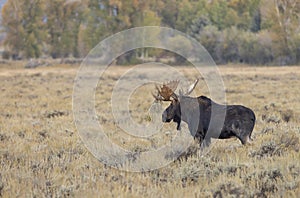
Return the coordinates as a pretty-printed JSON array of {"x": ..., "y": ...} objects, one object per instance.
[
  {"x": 192, "y": 87},
  {"x": 166, "y": 91}
]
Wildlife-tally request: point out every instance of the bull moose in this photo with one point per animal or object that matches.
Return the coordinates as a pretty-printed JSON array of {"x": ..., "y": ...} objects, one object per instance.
[{"x": 238, "y": 121}]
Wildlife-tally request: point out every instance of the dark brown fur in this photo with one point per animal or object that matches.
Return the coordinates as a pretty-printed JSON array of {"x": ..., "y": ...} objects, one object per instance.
[{"x": 239, "y": 120}]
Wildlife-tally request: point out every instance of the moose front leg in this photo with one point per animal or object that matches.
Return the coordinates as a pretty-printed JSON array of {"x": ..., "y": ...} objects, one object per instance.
[
  {"x": 199, "y": 138},
  {"x": 202, "y": 140}
]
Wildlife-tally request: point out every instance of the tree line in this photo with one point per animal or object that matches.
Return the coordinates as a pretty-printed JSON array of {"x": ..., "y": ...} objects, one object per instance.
[{"x": 233, "y": 31}]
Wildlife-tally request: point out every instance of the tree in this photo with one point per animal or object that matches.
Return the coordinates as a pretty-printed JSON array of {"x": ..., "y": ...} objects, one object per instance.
[
  {"x": 232, "y": 30},
  {"x": 247, "y": 13},
  {"x": 169, "y": 13},
  {"x": 212, "y": 39},
  {"x": 63, "y": 21},
  {"x": 282, "y": 17},
  {"x": 95, "y": 25},
  {"x": 218, "y": 11},
  {"x": 198, "y": 25},
  {"x": 187, "y": 11},
  {"x": 24, "y": 26}
]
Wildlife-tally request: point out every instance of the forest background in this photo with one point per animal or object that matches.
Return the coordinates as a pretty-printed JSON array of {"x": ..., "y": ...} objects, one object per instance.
[{"x": 258, "y": 32}]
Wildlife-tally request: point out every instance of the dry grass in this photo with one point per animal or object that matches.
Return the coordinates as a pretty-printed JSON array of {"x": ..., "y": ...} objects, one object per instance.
[{"x": 41, "y": 154}]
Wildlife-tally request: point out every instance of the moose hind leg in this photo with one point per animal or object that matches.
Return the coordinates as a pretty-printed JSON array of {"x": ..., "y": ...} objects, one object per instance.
[
  {"x": 245, "y": 139},
  {"x": 241, "y": 133}
]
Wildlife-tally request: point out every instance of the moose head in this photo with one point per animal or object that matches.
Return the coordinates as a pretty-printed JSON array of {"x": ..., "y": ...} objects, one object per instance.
[{"x": 166, "y": 92}]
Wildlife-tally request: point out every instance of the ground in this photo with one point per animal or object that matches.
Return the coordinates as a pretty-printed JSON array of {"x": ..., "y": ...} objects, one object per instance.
[{"x": 42, "y": 154}]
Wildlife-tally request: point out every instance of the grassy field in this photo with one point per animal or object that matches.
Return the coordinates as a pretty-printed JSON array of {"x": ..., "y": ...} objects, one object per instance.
[{"x": 42, "y": 155}]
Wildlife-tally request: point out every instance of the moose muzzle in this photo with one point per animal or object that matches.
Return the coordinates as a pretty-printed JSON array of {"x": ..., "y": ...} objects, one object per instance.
[{"x": 165, "y": 117}]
